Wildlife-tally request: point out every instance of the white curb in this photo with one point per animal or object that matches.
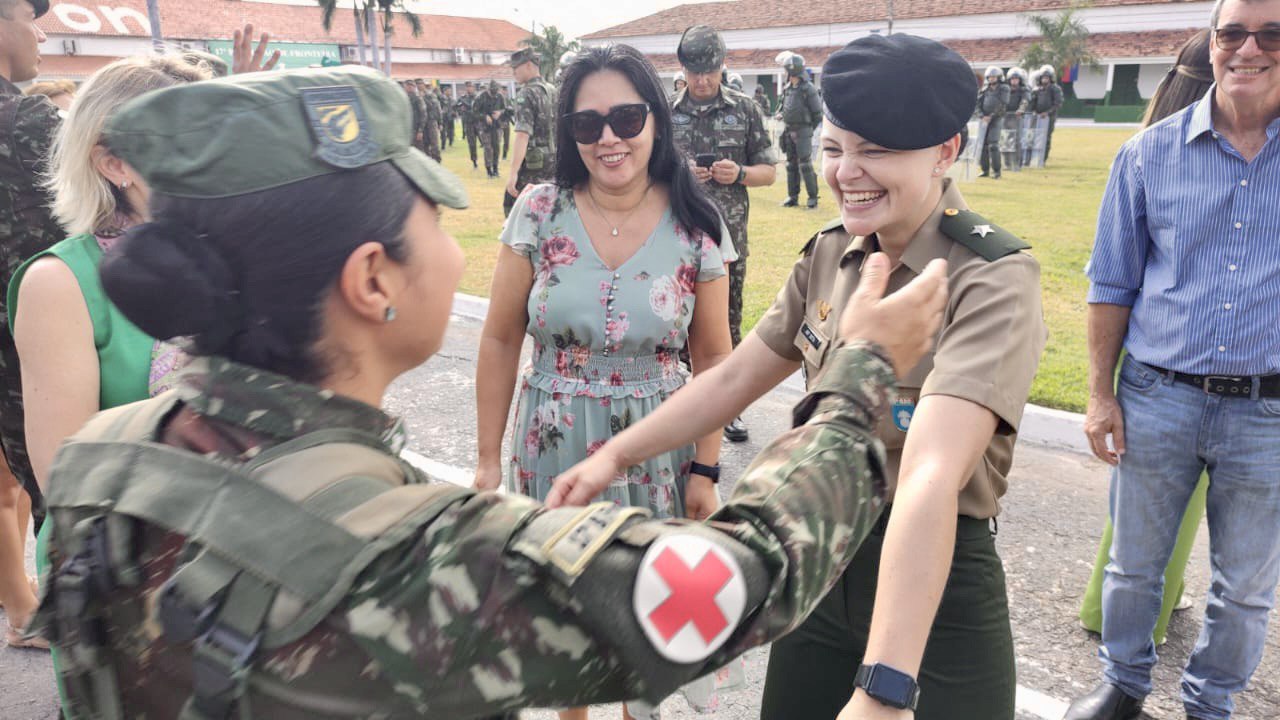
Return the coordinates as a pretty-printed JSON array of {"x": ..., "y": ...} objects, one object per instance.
[{"x": 1040, "y": 425}]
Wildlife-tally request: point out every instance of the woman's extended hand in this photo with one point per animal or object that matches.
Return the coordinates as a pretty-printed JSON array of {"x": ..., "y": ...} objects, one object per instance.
[
  {"x": 700, "y": 498},
  {"x": 583, "y": 482},
  {"x": 488, "y": 475}
]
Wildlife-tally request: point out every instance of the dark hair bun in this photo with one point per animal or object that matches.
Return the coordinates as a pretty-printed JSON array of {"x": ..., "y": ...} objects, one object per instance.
[{"x": 170, "y": 282}]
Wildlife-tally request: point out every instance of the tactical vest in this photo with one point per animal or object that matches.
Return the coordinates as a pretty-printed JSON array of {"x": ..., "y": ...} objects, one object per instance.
[
  {"x": 270, "y": 548},
  {"x": 541, "y": 151},
  {"x": 795, "y": 106}
]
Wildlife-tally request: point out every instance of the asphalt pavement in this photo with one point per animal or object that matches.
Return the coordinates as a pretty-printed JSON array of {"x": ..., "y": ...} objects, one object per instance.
[{"x": 1048, "y": 534}]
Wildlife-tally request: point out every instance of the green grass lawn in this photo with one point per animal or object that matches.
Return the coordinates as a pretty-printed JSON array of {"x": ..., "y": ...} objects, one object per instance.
[{"x": 1054, "y": 209}]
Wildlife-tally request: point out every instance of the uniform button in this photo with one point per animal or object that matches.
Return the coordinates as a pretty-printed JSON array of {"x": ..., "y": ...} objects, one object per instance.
[
  {"x": 1226, "y": 306},
  {"x": 616, "y": 276},
  {"x": 1232, "y": 267},
  {"x": 1244, "y": 183},
  {"x": 1222, "y": 348}
]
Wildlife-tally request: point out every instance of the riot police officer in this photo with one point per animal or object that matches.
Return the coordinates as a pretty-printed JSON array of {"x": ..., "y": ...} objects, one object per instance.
[
  {"x": 1046, "y": 100},
  {"x": 993, "y": 98},
  {"x": 801, "y": 111},
  {"x": 1011, "y": 128}
]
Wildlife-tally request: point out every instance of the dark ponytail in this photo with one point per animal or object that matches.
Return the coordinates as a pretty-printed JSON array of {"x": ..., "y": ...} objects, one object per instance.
[{"x": 690, "y": 204}]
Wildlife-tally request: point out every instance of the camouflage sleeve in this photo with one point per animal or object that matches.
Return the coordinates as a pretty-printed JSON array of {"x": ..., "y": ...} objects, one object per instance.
[
  {"x": 501, "y": 604},
  {"x": 814, "y": 105},
  {"x": 35, "y": 124},
  {"x": 759, "y": 144},
  {"x": 523, "y": 105}
]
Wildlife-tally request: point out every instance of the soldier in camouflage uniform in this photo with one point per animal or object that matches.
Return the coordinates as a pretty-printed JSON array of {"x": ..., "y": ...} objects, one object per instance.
[
  {"x": 448, "y": 115},
  {"x": 431, "y": 119},
  {"x": 466, "y": 113},
  {"x": 993, "y": 98},
  {"x": 721, "y": 124},
  {"x": 534, "y": 110},
  {"x": 27, "y": 227},
  {"x": 487, "y": 110},
  {"x": 417, "y": 112},
  {"x": 801, "y": 111},
  {"x": 506, "y": 120},
  {"x": 294, "y": 567}
]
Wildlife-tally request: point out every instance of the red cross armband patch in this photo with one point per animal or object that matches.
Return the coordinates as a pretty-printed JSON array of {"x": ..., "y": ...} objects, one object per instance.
[{"x": 689, "y": 597}]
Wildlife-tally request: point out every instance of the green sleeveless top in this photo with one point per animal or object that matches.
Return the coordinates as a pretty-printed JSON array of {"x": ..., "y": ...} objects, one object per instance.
[{"x": 124, "y": 351}]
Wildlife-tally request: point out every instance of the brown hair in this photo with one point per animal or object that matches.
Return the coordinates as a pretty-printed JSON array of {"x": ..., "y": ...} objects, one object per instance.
[{"x": 1186, "y": 82}]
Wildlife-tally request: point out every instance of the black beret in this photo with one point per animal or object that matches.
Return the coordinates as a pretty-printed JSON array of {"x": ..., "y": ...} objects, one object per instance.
[{"x": 901, "y": 92}]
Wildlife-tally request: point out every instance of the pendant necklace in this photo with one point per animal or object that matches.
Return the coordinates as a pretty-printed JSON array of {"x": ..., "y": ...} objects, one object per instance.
[{"x": 632, "y": 211}]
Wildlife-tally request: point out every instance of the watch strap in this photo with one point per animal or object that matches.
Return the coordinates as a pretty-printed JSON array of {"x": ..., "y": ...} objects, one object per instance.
[
  {"x": 707, "y": 471},
  {"x": 742, "y": 175}
]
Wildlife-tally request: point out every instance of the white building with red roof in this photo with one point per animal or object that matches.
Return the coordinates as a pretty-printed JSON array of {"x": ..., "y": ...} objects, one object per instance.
[
  {"x": 84, "y": 35},
  {"x": 1135, "y": 40}
]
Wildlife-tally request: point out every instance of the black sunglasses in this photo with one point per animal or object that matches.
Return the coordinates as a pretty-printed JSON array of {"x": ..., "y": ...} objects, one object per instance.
[
  {"x": 1233, "y": 38},
  {"x": 626, "y": 121}
]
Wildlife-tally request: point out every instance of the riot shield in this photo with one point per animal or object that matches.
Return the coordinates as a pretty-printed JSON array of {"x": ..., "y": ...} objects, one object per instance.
[{"x": 1039, "y": 138}]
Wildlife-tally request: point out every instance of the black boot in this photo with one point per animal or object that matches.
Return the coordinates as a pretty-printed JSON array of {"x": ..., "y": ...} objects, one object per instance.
[
  {"x": 735, "y": 431},
  {"x": 813, "y": 203},
  {"x": 1106, "y": 702},
  {"x": 790, "y": 202}
]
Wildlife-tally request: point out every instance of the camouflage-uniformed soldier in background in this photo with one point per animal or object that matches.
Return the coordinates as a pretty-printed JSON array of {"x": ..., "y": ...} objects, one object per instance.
[
  {"x": 27, "y": 227},
  {"x": 430, "y": 120},
  {"x": 487, "y": 110},
  {"x": 993, "y": 98},
  {"x": 466, "y": 113},
  {"x": 506, "y": 120},
  {"x": 417, "y": 112},
  {"x": 449, "y": 116},
  {"x": 534, "y": 112},
  {"x": 723, "y": 134},
  {"x": 1011, "y": 128},
  {"x": 801, "y": 112},
  {"x": 1046, "y": 100},
  {"x": 294, "y": 567},
  {"x": 763, "y": 101}
]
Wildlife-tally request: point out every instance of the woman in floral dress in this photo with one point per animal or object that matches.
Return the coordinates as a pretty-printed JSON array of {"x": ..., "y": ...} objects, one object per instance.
[{"x": 611, "y": 270}]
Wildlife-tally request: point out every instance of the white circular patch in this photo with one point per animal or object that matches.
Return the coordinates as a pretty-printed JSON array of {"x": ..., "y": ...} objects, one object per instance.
[{"x": 689, "y": 597}]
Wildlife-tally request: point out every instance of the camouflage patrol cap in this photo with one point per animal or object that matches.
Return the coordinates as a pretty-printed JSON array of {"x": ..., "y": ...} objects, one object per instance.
[
  {"x": 254, "y": 132},
  {"x": 701, "y": 49},
  {"x": 522, "y": 56}
]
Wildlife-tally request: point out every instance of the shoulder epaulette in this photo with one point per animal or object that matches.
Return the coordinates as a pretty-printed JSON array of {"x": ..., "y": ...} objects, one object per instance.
[
  {"x": 975, "y": 232},
  {"x": 833, "y": 225}
]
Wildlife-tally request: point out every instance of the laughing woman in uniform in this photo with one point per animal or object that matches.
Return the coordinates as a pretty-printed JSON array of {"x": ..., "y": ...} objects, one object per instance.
[{"x": 927, "y": 587}]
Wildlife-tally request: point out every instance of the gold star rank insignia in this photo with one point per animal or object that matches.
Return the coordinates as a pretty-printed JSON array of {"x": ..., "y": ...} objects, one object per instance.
[
  {"x": 824, "y": 310},
  {"x": 982, "y": 230}
]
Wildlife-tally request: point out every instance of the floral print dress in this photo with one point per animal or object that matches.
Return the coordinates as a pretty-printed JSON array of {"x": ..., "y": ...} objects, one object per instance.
[{"x": 606, "y": 345}]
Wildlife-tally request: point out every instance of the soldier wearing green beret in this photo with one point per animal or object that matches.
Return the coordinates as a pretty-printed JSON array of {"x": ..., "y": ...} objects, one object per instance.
[
  {"x": 250, "y": 544},
  {"x": 895, "y": 111},
  {"x": 723, "y": 134}
]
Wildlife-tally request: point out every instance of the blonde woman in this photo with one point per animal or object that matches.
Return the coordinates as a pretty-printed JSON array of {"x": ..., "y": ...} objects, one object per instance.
[
  {"x": 79, "y": 354},
  {"x": 59, "y": 92}
]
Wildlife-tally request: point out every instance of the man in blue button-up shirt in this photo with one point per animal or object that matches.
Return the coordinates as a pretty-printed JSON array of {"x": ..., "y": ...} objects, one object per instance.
[{"x": 1185, "y": 275}]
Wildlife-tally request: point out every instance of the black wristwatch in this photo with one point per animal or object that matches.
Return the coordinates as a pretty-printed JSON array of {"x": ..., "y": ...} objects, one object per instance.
[
  {"x": 888, "y": 686},
  {"x": 742, "y": 175},
  {"x": 707, "y": 471}
]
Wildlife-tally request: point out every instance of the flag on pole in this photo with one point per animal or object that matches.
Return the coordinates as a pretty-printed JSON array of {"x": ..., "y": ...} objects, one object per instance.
[{"x": 1070, "y": 74}]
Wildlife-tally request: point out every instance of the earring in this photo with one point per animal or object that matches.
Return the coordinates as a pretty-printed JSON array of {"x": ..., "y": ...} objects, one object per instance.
[
  {"x": 937, "y": 171},
  {"x": 390, "y": 314},
  {"x": 125, "y": 185}
]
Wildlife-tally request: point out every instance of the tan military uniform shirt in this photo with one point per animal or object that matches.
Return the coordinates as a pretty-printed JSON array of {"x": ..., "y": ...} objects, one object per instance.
[{"x": 987, "y": 351}]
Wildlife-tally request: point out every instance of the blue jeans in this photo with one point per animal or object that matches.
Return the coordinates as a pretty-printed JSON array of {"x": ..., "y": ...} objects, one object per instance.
[{"x": 1172, "y": 432}]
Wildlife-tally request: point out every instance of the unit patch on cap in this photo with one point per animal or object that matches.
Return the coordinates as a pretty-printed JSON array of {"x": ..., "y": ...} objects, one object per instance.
[
  {"x": 689, "y": 597},
  {"x": 339, "y": 126}
]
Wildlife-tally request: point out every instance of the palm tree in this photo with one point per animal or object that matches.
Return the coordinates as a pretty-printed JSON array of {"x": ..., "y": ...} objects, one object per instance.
[
  {"x": 1064, "y": 40},
  {"x": 153, "y": 14},
  {"x": 389, "y": 8},
  {"x": 550, "y": 45}
]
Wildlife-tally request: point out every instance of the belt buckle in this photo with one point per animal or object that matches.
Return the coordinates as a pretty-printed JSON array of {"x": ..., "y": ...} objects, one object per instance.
[{"x": 1231, "y": 381}]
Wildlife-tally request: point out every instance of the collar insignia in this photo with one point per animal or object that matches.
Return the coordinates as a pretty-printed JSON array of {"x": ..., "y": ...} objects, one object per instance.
[{"x": 824, "y": 309}]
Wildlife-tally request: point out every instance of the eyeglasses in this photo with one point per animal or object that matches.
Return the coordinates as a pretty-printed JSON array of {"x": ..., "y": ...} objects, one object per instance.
[
  {"x": 626, "y": 121},
  {"x": 1233, "y": 38}
]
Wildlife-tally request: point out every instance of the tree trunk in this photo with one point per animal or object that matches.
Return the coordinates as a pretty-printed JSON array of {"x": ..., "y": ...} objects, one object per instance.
[
  {"x": 371, "y": 24},
  {"x": 153, "y": 13},
  {"x": 386, "y": 42},
  {"x": 360, "y": 46}
]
